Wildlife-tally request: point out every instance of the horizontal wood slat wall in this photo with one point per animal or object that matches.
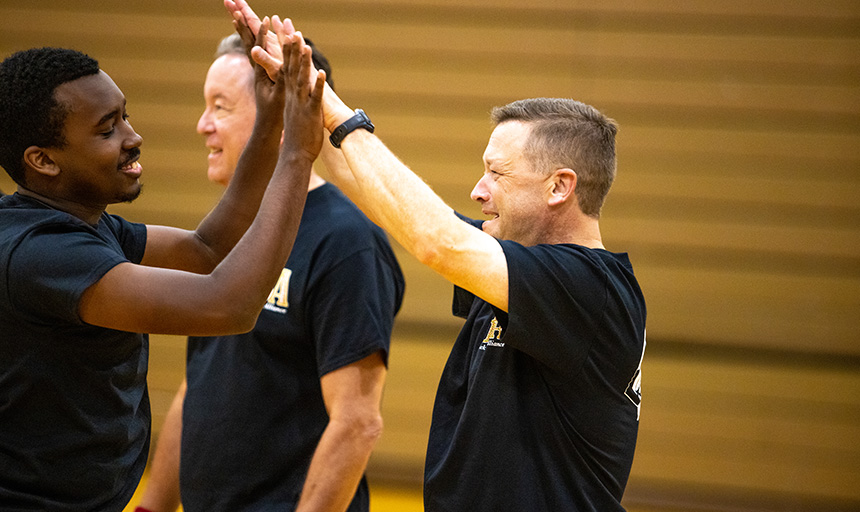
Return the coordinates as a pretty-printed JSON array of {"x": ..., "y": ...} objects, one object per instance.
[{"x": 737, "y": 195}]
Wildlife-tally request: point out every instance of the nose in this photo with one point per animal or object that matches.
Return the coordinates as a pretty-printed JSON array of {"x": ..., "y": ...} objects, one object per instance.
[
  {"x": 204, "y": 124},
  {"x": 480, "y": 193},
  {"x": 133, "y": 140}
]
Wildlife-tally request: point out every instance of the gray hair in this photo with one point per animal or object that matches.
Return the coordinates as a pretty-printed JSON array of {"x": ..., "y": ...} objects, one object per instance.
[{"x": 232, "y": 45}]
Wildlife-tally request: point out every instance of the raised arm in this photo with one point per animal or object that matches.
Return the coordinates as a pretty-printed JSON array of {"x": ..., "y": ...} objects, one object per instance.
[
  {"x": 400, "y": 201},
  {"x": 146, "y": 299},
  {"x": 202, "y": 249},
  {"x": 405, "y": 206}
]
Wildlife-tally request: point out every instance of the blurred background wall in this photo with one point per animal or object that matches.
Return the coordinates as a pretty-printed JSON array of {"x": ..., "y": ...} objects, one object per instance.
[{"x": 738, "y": 198}]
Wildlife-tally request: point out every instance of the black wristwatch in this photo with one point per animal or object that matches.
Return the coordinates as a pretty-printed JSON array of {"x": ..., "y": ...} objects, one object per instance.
[{"x": 359, "y": 120}]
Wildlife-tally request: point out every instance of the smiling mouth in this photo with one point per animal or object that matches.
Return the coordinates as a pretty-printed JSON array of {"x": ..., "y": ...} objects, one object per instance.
[{"x": 132, "y": 169}]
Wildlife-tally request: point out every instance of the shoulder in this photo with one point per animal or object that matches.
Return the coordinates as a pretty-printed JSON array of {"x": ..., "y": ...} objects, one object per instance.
[
  {"x": 564, "y": 255},
  {"x": 23, "y": 218},
  {"x": 333, "y": 217},
  {"x": 569, "y": 270}
]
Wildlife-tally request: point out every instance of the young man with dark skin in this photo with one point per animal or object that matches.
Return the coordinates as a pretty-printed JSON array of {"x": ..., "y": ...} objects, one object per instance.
[
  {"x": 302, "y": 391},
  {"x": 80, "y": 287},
  {"x": 538, "y": 406}
]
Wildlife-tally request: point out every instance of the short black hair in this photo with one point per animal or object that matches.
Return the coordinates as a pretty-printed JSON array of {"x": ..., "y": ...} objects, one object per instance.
[{"x": 29, "y": 113}]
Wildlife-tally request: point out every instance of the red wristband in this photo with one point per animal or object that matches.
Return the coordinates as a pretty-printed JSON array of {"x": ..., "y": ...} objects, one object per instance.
[{"x": 141, "y": 509}]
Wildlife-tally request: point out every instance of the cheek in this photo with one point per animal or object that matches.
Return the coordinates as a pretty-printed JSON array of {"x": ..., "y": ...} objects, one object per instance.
[
  {"x": 235, "y": 135},
  {"x": 238, "y": 130}
]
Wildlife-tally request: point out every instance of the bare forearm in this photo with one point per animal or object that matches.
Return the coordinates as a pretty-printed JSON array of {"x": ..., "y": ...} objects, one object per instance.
[
  {"x": 397, "y": 199},
  {"x": 404, "y": 205},
  {"x": 225, "y": 301},
  {"x": 253, "y": 267},
  {"x": 340, "y": 174},
  {"x": 336, "y": 468},
  {"x": 232, "y": 216}
]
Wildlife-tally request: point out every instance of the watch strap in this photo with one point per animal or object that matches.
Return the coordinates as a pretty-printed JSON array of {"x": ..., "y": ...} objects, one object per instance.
[{"x": 358, "y": 120}]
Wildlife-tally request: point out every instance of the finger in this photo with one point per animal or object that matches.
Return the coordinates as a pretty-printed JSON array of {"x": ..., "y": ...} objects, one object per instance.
[
  {"x": 288, "y": 26},
  {"x": 317, "y": 91},
  {"x": 294, "y": 61},
  {"x": 277, "y": 24},
  {"x": 262, "y": 33},
  {"x": 231, "y": 6},
  {"x": 282, "y": 37},
  {"x": 280, "y": 84},
  {"x": 306, "y": 65},
  {"x": 267, "y": 62},
  {"x": 244, "y": 32},
  {"x": 250, "y": 15},
  {"x": 260, "y": 42}
]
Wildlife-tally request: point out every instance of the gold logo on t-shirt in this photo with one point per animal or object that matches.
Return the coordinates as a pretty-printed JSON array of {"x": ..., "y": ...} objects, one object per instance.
[
  {"x": 494, "y": 334},
  {"x": 279, "y": 297}
]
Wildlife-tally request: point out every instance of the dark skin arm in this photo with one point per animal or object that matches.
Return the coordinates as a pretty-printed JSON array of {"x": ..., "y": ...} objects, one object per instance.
[
  {"x": 141, "y": 298},
  {"x": 202, "y": 249}
]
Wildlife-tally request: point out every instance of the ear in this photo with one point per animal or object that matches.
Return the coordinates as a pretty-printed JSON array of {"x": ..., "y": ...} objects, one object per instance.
[
  {"x": 39, "y": 161},
  {"x": 563, "y": 186}
]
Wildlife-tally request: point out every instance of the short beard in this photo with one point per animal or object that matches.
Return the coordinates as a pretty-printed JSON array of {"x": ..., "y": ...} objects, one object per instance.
[{"x": 131, "y": 196}]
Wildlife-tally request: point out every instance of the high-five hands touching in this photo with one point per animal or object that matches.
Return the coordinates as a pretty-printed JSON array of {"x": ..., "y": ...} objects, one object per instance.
[
  {"x": 269, "y": 54},
  {"x": 268, "y": 91},
  {"x": 303, "y": 120}
]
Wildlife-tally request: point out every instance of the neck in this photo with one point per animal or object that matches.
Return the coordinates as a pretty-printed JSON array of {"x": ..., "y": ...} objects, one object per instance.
[
  {"x": 582, "y": 230},
  {"x": 589, "y": 234},
  {"x": 88, "y": 214}
]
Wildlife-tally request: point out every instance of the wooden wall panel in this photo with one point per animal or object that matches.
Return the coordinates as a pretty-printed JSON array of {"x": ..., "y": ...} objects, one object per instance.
[{"x": 737, "y": 196}]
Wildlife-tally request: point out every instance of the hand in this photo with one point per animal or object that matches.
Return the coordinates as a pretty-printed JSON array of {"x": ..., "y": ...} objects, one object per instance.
[
  {"x": 246, "y": 21},
  {"x": 271, "y": 56},
  {"x": 269, "y": 95},
  {"x": 303, "y": 122}
]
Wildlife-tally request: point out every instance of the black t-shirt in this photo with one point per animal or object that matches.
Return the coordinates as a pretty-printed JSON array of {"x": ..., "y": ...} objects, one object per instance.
[
  {"x": 254, "y": 412},
  {"x": 537, "y": 408},
  {"x": 74, "y": 408}
]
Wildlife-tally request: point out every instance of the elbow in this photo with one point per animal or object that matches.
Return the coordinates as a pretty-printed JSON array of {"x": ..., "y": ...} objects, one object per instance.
[
  {"x": 441, "y": 256},
  {"x": 242, "y": 319},
  {"x": 245, "y": 322},
  {"x": 430, "y": 254},
  {"x": 229, "y": 317},
  {"x": 365, "y": 430},
  {"x": 374, "y": 431}
]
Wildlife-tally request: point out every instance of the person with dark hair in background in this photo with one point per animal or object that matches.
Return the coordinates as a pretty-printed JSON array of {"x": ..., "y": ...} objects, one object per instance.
[
  {"x": 538, "y": 406},
  {"x": 80, "y": 287},
  {"x": 284, "y": 417}
]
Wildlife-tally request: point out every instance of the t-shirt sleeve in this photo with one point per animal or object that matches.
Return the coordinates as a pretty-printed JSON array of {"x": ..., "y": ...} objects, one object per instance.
[
  {"x": 130, "y": 235},
  {"x": 352, "y": 309},
  {"x": 53, "y": 265},
  {"x": 556, "y": 303}
]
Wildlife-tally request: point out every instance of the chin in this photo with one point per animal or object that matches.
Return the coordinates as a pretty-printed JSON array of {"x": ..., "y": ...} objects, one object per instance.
[
  {"x": 219, "y": 176},
  {"x": 131, "y": 195},
  {"x": 490, "y": 228}
]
